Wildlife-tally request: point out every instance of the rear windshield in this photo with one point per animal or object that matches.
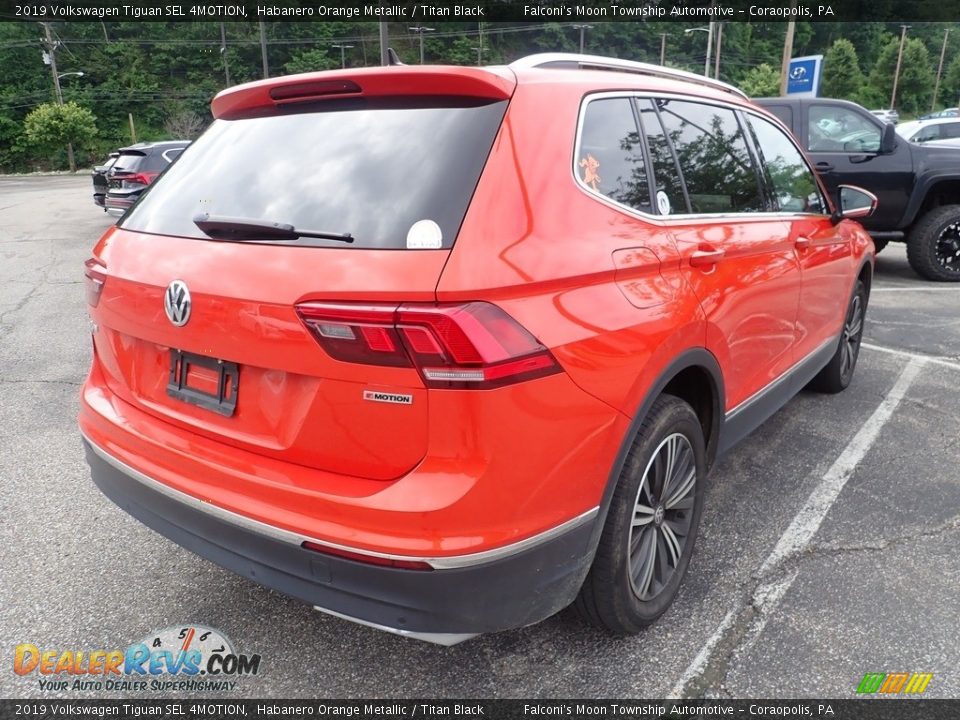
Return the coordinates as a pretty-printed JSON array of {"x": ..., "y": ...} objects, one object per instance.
[{"x": 393, "y": 174}]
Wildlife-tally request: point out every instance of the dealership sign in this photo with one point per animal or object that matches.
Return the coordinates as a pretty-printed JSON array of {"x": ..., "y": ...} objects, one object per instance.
[{"x": 803, "y": 77}]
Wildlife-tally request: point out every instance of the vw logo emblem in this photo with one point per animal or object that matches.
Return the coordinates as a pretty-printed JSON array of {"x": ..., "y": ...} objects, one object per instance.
[{"x": 176, "y": 303}]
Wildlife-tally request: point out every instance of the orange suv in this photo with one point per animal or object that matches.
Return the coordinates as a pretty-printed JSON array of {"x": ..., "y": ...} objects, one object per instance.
[{"x": 443, "y": 350}]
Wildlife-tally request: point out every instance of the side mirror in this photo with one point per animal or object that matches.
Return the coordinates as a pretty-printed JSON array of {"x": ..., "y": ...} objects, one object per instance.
[
  {"x": 853, "y": 203},
  {"x": 888, "y": 141}
]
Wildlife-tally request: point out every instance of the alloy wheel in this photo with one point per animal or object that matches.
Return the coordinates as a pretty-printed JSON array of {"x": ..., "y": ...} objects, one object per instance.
[
  {"x": 852, "y": 333},
  {"x": 947, "y": 250},
  {"x": 662, "y": 516}
]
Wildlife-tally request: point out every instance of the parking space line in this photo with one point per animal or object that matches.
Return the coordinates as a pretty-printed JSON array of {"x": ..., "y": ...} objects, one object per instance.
[
  {"x": 933, "y": 359},
  {"x": 796, "y": 539},
  {"x": 919, "y": 288}
]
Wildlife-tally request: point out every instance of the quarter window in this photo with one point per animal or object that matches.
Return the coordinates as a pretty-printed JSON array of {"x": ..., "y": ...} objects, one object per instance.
[
  {"x": 713, "y": 157},
  {"x": 794, "y": 188},
  {"x": 610, "y": 158}
]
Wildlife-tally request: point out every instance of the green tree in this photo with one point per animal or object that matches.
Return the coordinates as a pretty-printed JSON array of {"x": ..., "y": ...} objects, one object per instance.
[
  {"x": 915, "y": 85},
  {"x": 311, "y": 61},
  {"x": 842, "y": 77},
  {"x": 761, "y": 81},
  {"x": 950, "y": 86},
  {"x": 50, "y": 127}
]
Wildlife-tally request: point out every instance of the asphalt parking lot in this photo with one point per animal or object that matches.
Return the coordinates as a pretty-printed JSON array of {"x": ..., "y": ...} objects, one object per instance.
[{"x": 830, "y": 544}]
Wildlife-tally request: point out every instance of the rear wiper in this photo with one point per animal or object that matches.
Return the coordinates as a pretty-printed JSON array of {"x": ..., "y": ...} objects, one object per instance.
[{"x": 220, "y": 227}]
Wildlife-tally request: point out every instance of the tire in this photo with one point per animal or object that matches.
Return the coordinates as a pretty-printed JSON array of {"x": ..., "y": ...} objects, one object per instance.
[
  {"x": 612, "y": 597},
  {"x": 933, "y": 246},
  {"x": 837, "y": 374},
  {"x": 880, "y": 243}
]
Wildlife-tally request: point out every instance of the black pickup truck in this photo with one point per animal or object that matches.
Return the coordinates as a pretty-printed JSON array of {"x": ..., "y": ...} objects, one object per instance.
[{"x": 918, "y": 186}]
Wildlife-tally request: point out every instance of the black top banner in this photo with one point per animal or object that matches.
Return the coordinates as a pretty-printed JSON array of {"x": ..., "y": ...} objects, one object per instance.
[
  {"x": 216, "y": 708},
  {"x": 485, "y": 10}
]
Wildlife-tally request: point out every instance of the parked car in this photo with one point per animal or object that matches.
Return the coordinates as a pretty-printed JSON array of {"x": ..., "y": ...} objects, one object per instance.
[
  {"x": 448, "y": 361},
  {"x": 946, "y": 113},
  {"x": 926, "y": 130},
  {"x": 99, "y": 176},
  {"x": 918, "y": 184},
  {"x": 890, "y": 116},
  {"x": 136, "y": 167}
]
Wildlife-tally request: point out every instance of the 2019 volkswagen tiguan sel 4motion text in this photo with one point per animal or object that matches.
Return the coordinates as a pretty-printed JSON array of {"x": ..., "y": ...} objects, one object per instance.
[{"x": 444, "y": 350}]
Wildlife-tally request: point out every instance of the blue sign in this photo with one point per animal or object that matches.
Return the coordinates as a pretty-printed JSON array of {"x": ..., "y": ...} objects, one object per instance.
[{"x": 803, "y": 76}]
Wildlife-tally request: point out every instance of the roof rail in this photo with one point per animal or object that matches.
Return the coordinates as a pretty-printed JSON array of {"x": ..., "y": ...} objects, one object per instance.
[{"x": 573, "y": 61}]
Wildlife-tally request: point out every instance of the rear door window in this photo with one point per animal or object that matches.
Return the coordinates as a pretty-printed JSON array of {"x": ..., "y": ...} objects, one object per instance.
[
  {"x": 670, "y": 195},
  {"x": 373, "y": 168},
  {"x": 609, "y": 158},
  {"x": 712, "y": 152}
]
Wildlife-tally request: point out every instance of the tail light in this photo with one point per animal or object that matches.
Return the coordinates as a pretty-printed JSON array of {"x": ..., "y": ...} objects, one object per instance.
[
  {"x": 95, "y": 275},
  {"x": 475, "y": 345},
  {"x": 130, "y": 179}
]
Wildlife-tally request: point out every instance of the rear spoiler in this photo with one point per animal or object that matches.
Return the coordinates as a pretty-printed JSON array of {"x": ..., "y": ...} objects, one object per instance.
[{"x": 263, "y": 95}]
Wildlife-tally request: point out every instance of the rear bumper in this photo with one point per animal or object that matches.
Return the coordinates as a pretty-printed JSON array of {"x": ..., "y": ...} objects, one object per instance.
[{"x": 511, "y": 587}]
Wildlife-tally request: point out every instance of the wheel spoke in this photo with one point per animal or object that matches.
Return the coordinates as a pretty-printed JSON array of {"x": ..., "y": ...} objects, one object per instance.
[
  {"x": 642, "y": 564},
  {"x": 855, "y": 326},
  {"x": 681, "y": 489},
  {"x": 673, "y": 543},
  {"x": 642, "y": 515}
]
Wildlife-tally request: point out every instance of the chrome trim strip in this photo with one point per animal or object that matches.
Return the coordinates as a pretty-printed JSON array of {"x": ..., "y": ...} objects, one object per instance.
[
  {"x": 779, "y": 380},
  {"x": 292, "y": 538},
  {"x": 445, "y": 639}
]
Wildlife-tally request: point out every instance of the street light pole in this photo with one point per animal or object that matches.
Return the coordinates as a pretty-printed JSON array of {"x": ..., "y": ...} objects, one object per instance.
[
  {"x": 582, "y": 29},
  {"x": 420, "y": 30},
  {"x": 936, "y": 86},
  {"x": 716, "y": 66},
  {"x": 223, "y": 53},
  {"x": 896, "y": 75},
  {"x": 709, "y": 31},
  {"x": 663, "y": 48},
  {"x": 343, "y": 57}
]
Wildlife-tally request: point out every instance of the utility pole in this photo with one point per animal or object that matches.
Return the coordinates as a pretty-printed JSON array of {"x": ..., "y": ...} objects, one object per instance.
[
  {"x": 663, "y": 48},
  {"x": 263, "y": 49},
  {"x": 480, "y": 46},
  {"x": 223, "y": 52},
  {"x": 896, "y": 75},
  {"x": 384, "y": 41},
  {"x": 343, "y": 57},
  {"x": 706, "y": 64},
  {"x": 716, "y": 66},
  {"x": 583, "y": 29},
  {"x": 51, "y": 45},
  {"x": 787, "y": 51},
  {"x": 420, "y": 30},
  {"x": 936, "y": 86}
]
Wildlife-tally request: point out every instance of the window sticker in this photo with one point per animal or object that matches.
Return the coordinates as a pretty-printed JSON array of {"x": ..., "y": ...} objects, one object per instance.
[
  {"x": 663, "y": 203},
  {"x": 590, "y": 166},
  {"x": 424, "y": 235}
]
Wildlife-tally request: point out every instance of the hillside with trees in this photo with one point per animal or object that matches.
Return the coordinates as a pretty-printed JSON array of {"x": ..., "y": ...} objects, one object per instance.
[{"x": 163, "y": 75}]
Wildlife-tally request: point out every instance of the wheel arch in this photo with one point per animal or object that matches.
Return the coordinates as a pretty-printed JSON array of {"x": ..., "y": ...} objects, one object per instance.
[
  {"x": 693, "y": 374},
  {"x": 932, "y": 191}
]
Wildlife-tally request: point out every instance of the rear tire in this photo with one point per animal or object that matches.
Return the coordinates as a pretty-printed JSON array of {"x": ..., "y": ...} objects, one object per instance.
[
  {"x": 651, "y": 525},
  {"x": 838, "y": 373},
  {"x": 933, "y": 246}
]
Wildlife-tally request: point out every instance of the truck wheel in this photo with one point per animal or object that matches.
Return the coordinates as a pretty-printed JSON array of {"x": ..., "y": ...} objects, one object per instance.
[
  {"x": 880, "y": 244},
  {"x": 933, "y": 246},
  {"x": 651, "y": 524}
]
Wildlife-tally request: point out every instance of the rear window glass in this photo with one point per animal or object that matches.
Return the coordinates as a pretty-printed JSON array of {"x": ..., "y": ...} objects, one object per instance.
[
  {"x": 130, "y": 162},
  {"x": 392, "y": 173}
]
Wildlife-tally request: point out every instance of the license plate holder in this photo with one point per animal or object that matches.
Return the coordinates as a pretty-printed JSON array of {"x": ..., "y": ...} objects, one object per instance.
[{"x": 223, "y": 400}]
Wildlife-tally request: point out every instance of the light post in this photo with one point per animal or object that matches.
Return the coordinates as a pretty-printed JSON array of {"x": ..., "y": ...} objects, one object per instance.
[
  {"x": 343, "y": 56},
  {"x": 709, "y": 32},
  {"x": 582, "y": 29},
  {"x": 420, "y": 30},
  {"x": 943, "y": 54}
]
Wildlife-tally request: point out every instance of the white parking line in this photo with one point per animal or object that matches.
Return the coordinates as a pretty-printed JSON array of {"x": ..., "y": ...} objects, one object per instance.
[
  {"x": 919, "y": 288},
  {"x": 796, "y": 539},
  {"x": 933, "y": 359}
]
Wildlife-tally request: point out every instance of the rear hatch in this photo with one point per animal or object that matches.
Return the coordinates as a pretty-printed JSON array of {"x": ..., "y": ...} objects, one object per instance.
[{"x": 347, "y": 200}]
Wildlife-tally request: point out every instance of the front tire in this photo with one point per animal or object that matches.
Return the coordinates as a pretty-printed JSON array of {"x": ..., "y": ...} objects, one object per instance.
[
  {"x": 652, "y": 522},
  {"x": 838, "y": 373},
  {"x": 933, "y": 247}
]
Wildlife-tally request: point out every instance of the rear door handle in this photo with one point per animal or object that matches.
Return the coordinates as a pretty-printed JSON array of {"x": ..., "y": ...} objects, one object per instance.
[
  {"x": 823, "y": 167},
  {"x": 802, "y": 243},
  {"x": 705, "y": 258}
]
